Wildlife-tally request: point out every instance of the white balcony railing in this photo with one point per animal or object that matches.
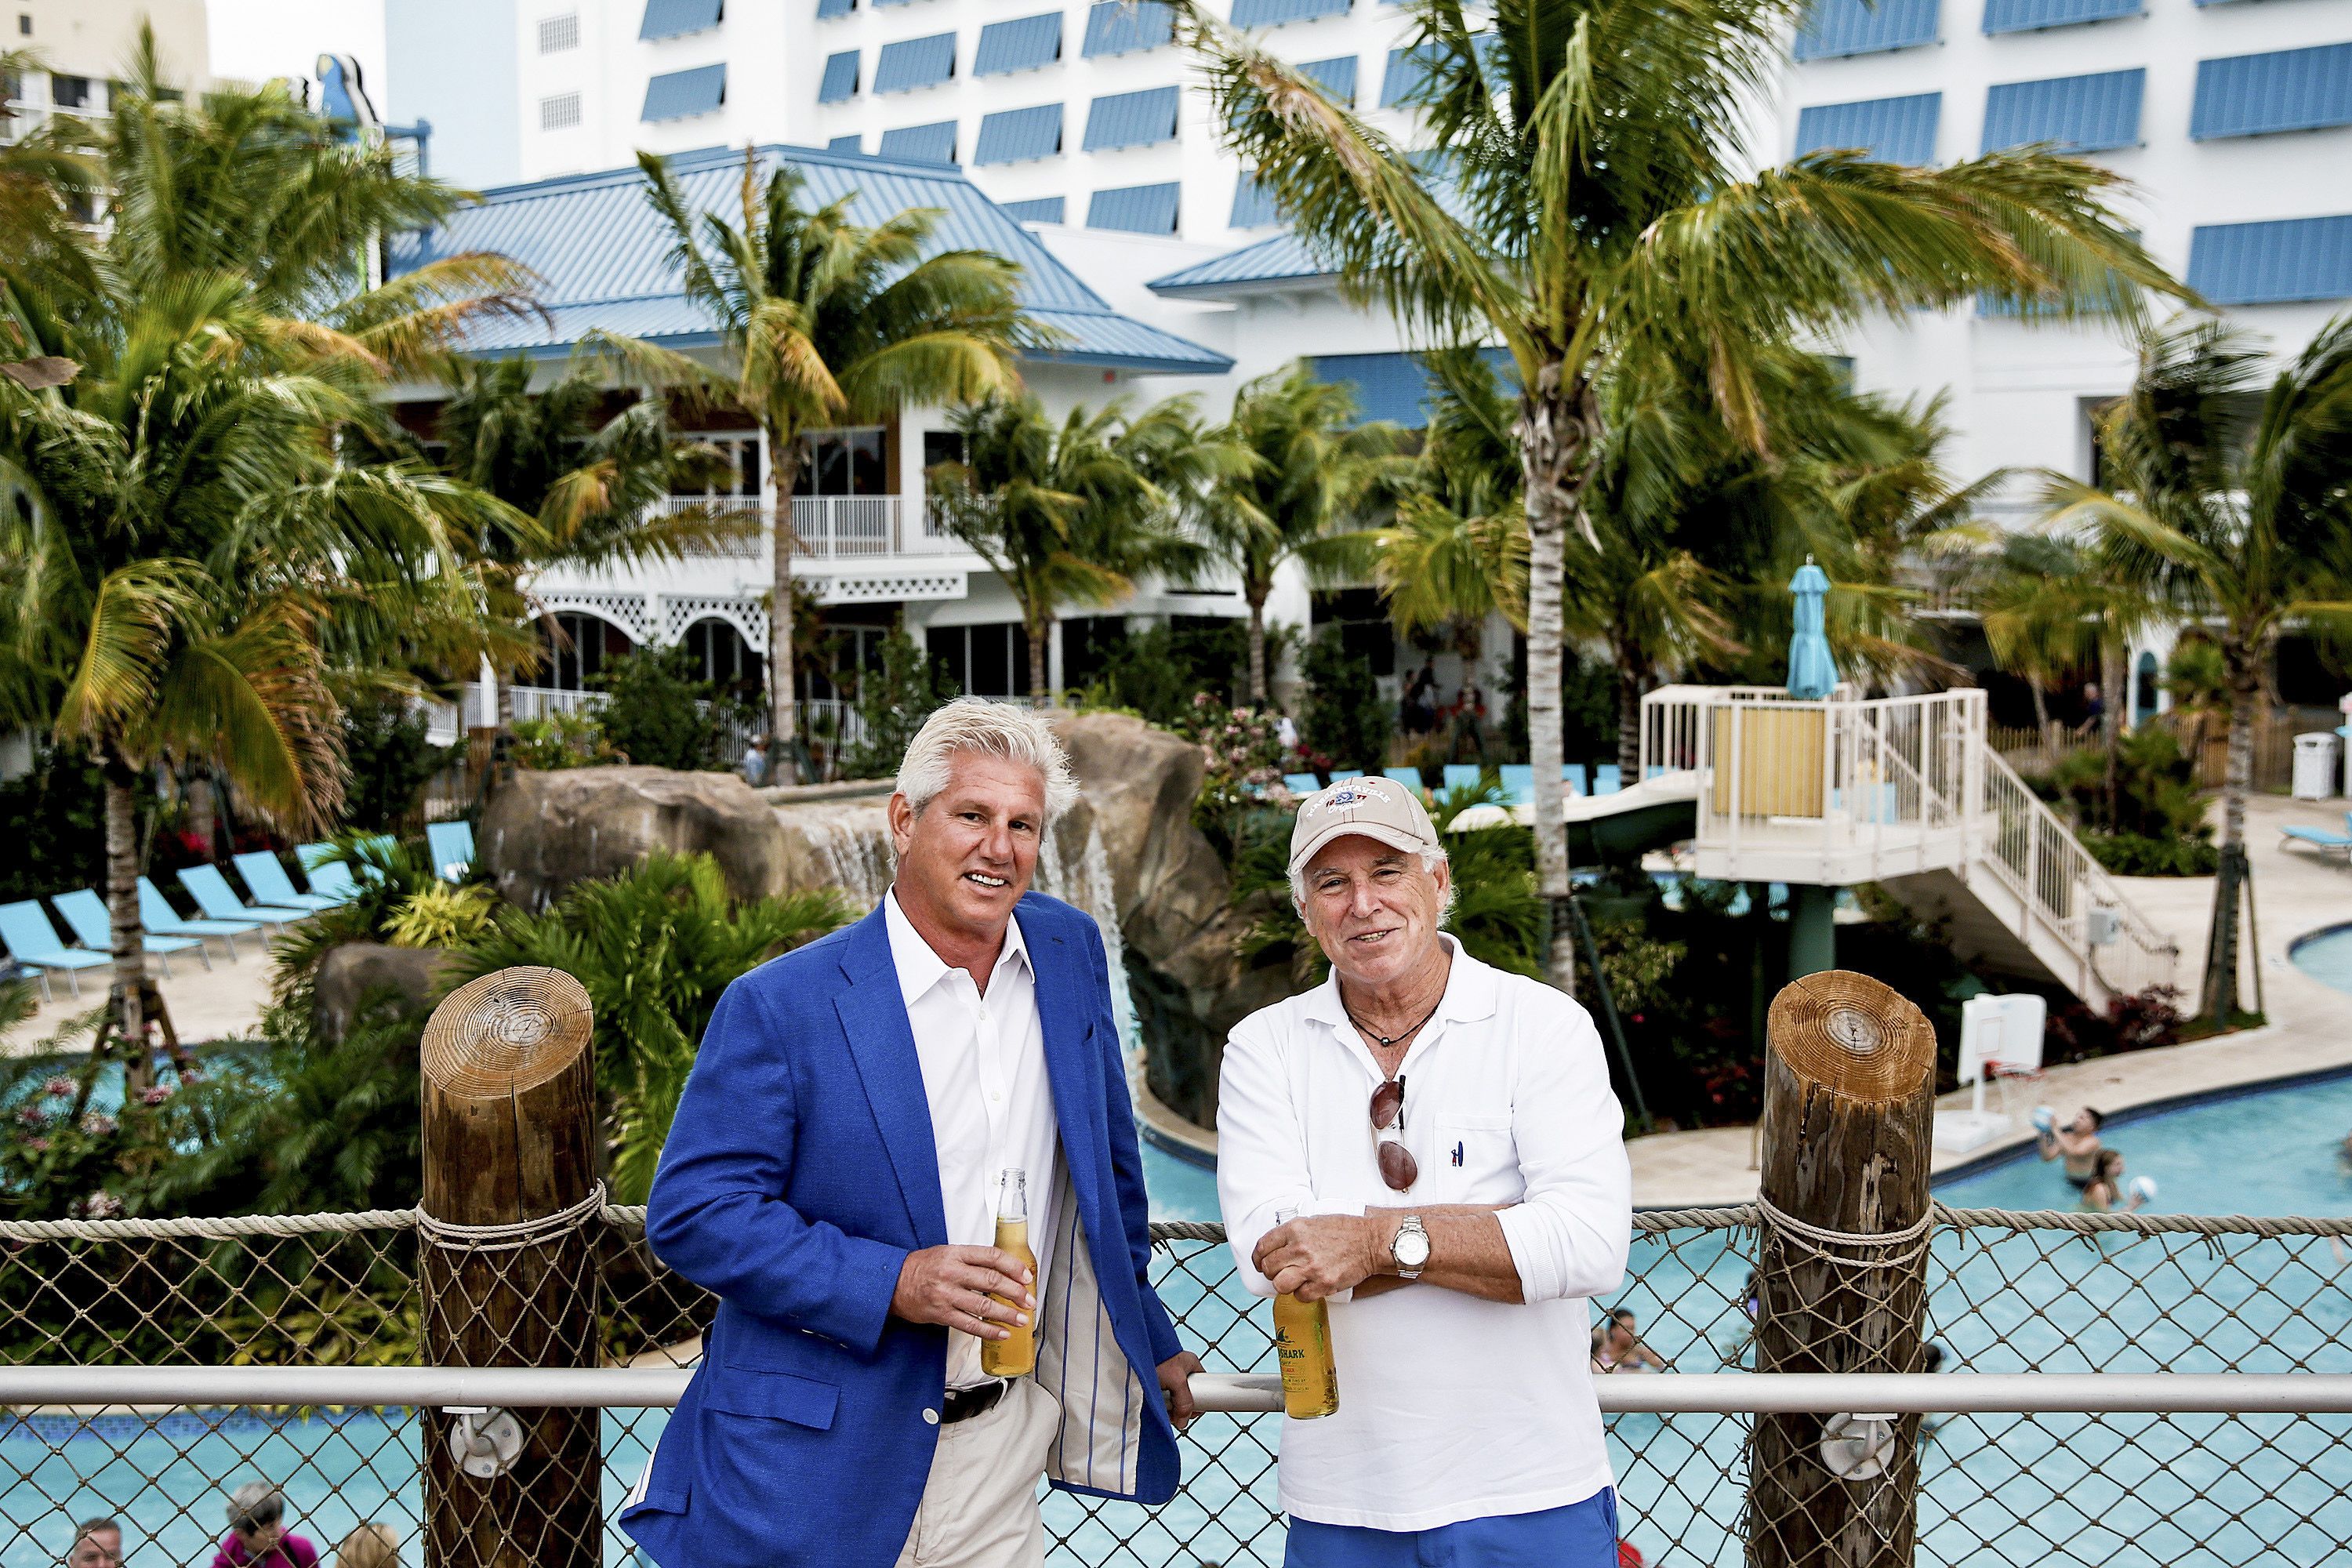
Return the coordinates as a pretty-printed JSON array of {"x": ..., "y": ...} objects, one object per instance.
[{"x": 834, "y": 528}]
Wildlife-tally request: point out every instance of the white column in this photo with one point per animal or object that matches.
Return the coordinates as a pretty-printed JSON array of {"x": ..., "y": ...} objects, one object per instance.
[{"x": 1054, "y": 655}]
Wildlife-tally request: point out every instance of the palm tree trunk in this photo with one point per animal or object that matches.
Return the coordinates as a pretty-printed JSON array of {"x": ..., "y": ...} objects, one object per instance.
[
  {"x": 1630, "y": 683},
  {"x": 1041, "y": 691},
  {"x": 2221, "y": 998},
  {"x": 129, "y": 998},
  {"x": 1554, "y": 429},
  {"x": 783, "y": 713},
  {"x": 2111, "y": 720},
  {"x": 1257, "y": 687},
  {"x": 2040, "y": 714}
]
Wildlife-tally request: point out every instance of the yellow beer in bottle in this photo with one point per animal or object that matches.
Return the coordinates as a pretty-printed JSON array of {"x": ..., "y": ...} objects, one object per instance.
[
  {"x": 1017, "y": 1356},
  {"x": 1302, "y": 1344}
]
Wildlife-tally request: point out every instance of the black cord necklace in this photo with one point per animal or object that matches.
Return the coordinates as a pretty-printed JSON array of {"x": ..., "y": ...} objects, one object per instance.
[{"x": 1388, "y": 1040}]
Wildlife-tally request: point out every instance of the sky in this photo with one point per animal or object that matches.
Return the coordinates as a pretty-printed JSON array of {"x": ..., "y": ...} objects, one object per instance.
[{"x": 253, "y": 41}]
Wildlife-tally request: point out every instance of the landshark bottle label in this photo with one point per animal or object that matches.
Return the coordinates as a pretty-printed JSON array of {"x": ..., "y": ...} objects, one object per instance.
[
  {"x": 1302, "y": 1344},
  {"x": 1015, "y": 1356}
]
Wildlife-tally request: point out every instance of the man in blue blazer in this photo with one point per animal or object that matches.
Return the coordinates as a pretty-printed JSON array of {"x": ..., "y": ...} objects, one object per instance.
[{"x": 833, "y": 1175}]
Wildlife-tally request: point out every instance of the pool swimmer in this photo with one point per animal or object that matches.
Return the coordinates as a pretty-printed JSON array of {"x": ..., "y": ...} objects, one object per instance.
[
  {"x": 2077, "y": 1142},
  {"x": 2105, "y": 1189},
  {"x": 2046, "y": 1121}
]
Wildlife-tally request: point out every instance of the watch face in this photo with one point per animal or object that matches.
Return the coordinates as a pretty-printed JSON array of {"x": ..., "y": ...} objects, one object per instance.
[{"x": 1411, "y": 1248}]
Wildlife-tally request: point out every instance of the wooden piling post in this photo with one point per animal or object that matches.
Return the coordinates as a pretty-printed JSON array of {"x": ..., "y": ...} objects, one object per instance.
[
  {"x": 508, "y": 1260},
  {"x": 1849, "y": 1104}
]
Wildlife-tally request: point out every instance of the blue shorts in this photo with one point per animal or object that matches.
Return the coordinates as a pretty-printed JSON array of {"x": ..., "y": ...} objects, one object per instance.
[{"x": 1581, "y": 1535}]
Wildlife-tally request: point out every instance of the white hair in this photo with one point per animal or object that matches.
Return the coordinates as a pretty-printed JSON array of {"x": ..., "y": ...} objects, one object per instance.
[
  {"x": 1430, "y": 859},
  {"x": 995, "y": 729},
  {"x": 256, "y": 1505}
]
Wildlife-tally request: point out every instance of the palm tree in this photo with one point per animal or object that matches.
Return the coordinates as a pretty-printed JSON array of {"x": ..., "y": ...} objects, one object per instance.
[
  {"x": 1068, "y": 513},
  {"x": 593, "y": 481},
  {"x": 1304, "y": 494},
  {"x": 831, "y": 322},
  {"x": 1593, "y": 192},
  {"x": 2227, "y": 502},
  {"x": 189, "y": 568},
  {"x": 1456, "y": 547}
]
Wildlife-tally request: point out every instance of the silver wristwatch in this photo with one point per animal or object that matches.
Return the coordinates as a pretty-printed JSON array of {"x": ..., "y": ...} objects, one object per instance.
[{"x": 1410, "y": 1247}]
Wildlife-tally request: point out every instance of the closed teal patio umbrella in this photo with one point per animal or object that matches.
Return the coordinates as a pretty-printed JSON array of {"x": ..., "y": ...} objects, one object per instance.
[{"x": 1812, "y": 673}]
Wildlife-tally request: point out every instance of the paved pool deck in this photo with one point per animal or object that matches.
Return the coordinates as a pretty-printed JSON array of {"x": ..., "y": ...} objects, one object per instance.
[
  {"x": 2297, "y": 891},
  {"x": 223, "y": 1002}
]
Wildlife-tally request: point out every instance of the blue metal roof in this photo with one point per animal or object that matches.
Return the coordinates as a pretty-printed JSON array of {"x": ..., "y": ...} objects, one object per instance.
[
  {"x": 2078, "y": 113},
  {"x": 1037, "y": 209},
  {"x": 911, "y": 63},
  {"x": 2282, "y": 262},
  {"x": 2032, "y": 15},
  {"x": 840, "y": 82},
  {"x": 1018, "y": 135},
  {"x": 1135, "y": 209},
  {"x": 603, "y": 255},
  {"x": 2287, "y": 90},
  {"x": 1336, "y": 77},
  {"x": 1023, "y": 43},
  {"x": 1127, "y": 27},
  {"x": 1274, "y": 13},
  {"x": 680, "y": 94},
  {"x": 1891, "y": 129},
  {"x": 826, "y": 10},
  {"x": 1284, "y": 259},
  {"x": 676, "y": 18},
  {"x": 1835, "y": 27},
  {"x": 1144, "y": 119},
  {"x": 931, "y": 143},
  {"x": 850, "y": 144},
  {"x": 1407, "y": 70},
  {"x": 1253, "y": 203}
]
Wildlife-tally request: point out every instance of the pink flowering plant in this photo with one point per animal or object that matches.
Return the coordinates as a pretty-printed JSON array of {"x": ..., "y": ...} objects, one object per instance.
[
  {"x": 1243, "y": 782},
  {"x": 60, "y": 1156}
]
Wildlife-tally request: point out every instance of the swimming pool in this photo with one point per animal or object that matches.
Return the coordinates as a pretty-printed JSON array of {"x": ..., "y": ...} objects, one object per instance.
[{"x": 2325, "y": 955}]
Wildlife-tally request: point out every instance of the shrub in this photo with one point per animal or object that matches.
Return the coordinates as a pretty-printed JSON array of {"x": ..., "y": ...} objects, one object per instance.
[
  {"x": 2137, "y": 855},
  {"x": 659, "y": 715},
  {"x": 575, "y": 740},
  {"x": 2133, "y": 1022},
  {"x": 1155, "y": 673},
  {"x": 390, "y": 761},
  {"x": 51, "y": 821},
  {"x": 2155, "y": 791},
  {"x": 442, "y": 915},
  {"x": 892, "y": 703},
  {"x": 1344, "y": 716}
]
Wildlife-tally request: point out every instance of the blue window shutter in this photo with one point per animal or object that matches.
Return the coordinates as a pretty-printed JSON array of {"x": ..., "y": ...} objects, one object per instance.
[
  {"x": 1037, "y": 209},
  {"x": 1891, "y": 129},
  {"x": 1253, "y": 203},
  {"x": 1024, "y": 44},
  {"x": 2288, "y": 89},
  {"x": 682, "y": 94},
  {"x": 1274, "y": 13},
  {"x": 2032, "y": 15},
  {"x": 1143, "y": 119},
  {"x": 1128, "y": 28},
  {"x": 2078, "y": 113},
  {"x": 933, "y": 143},
  {"x": 911, "y": 63},
  {"x": 845, "y": 145},
  {"x": 1836, "y": 27},
  {"x": 1017, "y": 135},
  {"x": 840, "y": 82},
  {"x": 1408, "y": 68},
  {"x": 676, "y": 18},
  {"x": 1336, "y": 78},
  {"x": 2282, "y": 262},
  {"x": 826, "y": 10},
  {"x": 1135, "y": 209}
]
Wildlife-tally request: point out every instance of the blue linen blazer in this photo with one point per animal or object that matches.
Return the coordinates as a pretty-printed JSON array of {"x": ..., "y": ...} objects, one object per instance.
[{"x": 799, "y": 1172}]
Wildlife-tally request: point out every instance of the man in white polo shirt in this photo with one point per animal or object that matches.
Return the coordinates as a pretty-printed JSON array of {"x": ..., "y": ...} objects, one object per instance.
[{"x": 1447, "y": 1136}]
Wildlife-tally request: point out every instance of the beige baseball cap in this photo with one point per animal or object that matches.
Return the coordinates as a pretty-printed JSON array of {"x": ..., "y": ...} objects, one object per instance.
[{"x": 1377, "y": 808}]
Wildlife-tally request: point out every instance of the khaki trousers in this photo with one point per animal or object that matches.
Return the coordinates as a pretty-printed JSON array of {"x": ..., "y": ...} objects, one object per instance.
[{"x": 980, "y": 1505}]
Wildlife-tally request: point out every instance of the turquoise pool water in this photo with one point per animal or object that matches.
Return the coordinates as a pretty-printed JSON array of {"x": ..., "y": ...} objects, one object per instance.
[
  {"x": 2326, "y": 956},
  {"x": 2118, "y": 1493}
]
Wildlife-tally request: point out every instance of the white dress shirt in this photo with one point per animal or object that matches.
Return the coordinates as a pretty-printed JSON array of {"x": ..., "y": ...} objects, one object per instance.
[
  {"x": 984, "y": 1062},
  {"x": 1450, "y": 1407}
]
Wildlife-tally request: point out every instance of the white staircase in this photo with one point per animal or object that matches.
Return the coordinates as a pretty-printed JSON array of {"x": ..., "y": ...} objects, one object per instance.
[{"x": 1905, "y": 791}]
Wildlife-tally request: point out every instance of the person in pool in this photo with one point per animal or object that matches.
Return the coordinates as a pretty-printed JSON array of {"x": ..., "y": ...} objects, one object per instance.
[
  {"x": 2078, "y": 1143},
  {"x": 2106, "y": 1185}
]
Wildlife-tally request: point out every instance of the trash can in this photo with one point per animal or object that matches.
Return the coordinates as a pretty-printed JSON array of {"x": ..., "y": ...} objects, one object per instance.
[{"x": 2315, "y": 756}]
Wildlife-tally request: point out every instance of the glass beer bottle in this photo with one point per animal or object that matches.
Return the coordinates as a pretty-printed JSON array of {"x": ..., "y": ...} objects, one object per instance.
[
  {"x": 1015, "y": 1356},
  {"x": 1302, "y": 1344}
]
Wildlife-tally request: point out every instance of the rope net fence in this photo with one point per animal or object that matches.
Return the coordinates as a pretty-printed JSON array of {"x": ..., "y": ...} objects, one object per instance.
[{"x": 2003, "y": 1292}]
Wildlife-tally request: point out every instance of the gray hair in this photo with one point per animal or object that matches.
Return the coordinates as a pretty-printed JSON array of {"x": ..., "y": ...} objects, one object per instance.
[
  {"x": 997, "y": 729},
  {"x": 1430, "y": 859},
  {"x": 257, "y": 1505}
]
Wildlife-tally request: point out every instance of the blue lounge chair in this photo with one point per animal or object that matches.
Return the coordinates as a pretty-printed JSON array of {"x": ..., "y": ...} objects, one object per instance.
[
  {"x": 219, "y": 902},
  {"x": 156, "y": 913},
  {"x": 329, "y": 879},
  {"x": 1462, "y": 775},
  {"x": 1409, "y": 777},
  {"x": 1573, "y": 776},
  {"x": 269, "y": 882},
  {"x": 1338, "y": 774},
  {"x": 1606, "y": 779},
  {"x": 29, "y": 938},
  {"x": 1518, "y": 783},
  {"x": 1301, "y": 783},
  {"x": 452, "y": 847},
  {"x": 2324, "y": 840},
  {"x": 85, "y": 915}
]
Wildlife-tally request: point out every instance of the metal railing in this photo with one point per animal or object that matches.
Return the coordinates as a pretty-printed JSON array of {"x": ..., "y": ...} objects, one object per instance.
[{"x": 833, "y": 527}]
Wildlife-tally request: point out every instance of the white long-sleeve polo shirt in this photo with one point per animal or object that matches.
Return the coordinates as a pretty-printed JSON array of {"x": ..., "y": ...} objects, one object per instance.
[{"x": 1450, "y": 1407}]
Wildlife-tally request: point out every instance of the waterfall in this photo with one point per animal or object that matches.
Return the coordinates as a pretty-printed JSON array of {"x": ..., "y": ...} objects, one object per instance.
[
  {"x": 852, "y": 849},
  {"x": 1088, "y": 885}
]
